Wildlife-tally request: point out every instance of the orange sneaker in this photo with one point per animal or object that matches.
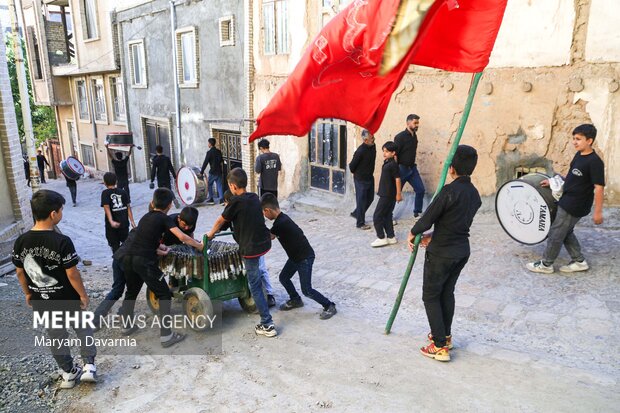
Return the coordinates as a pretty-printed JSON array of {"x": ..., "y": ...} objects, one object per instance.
[
  {"x": 437, "y": 353},
  {"x": 448, "y": 340}
]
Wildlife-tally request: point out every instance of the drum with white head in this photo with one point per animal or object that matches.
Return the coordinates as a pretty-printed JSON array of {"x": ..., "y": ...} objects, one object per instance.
[
  {"x": 525, "y": 209},
  {"x": 72, "y": 168},
  {"x": 191, "y": 186}
]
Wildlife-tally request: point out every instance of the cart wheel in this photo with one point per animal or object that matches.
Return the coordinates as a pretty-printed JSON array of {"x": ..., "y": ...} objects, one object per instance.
[
  {"x": 152, "y": 301},
  {"x": 248, "y": 304},
  {"x": 198, "y": 304}
]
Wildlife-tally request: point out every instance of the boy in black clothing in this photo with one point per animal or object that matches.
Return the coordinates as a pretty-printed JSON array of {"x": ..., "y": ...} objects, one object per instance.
[
  {"x": 362, "y": 167},
  {"x": 162, "y": 169},
  {"x": 250, "y": 232},
  {"x": 120, "y": 162},
  {"x": 584, "y": 184},
  {"x": 41, "y": 162},
  {"x": 186, "y": 222},
  {"x": 300, "y": 258},
  {"x": 452, "y": 213},
  {"x": 118, "y": 214},
  {"x": 72, "y": 185},
  {"x": 262, "y": 266},
  {"x": 46, "y": 264},
  {"x": 214, "y": 159},
  {"x": 140, "y": 263},
  {"x": 389, "y": 194}
]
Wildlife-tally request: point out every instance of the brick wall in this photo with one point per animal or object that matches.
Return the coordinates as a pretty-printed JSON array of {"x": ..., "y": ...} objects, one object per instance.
[{"x": 13, "y": 162}]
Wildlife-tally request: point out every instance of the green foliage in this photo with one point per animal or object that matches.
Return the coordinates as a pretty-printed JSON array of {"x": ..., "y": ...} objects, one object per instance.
[{"x": 43, "y": 117}]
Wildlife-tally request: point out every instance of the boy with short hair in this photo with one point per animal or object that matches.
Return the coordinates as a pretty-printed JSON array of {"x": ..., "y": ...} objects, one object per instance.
[
  {"x": 267, "y": 165},
  {"x": 140, "y": 263},
  {"x": 118, "y": 214},
  {"x": 214, "y": 159},
  {"x": 452, "y": 213},
  {"x": 262, "y": 266},
  {"x": 389, "y": 193},
  {"x": 300, "y": 258},
  {"x": 46, "y": 264},
  {"x": 253, "y": 237},
  {"x": 584, "y": 185},
  {"x": 186, "y": 222}
]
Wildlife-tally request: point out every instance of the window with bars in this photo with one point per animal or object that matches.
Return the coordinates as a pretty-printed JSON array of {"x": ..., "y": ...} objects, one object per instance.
[
  {"x": 187, "y": 57},
  {"x": 330, "y": 8},
  {"x": 88, "y": 156},
  {"x": 82, "y": 99},
  {"x": 137, "y": 64},
  {"x": 327, "y": 146},
  {"x": 275, "y": 27},
  {"x": 227, "y": 31},
  {"x": 101, "y": 114},
  {"x": 90, "y": 19},
  {"x": 118, "y": 99}
]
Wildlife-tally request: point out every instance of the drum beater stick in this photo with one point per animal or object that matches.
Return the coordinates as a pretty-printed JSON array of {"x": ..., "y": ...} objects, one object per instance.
[{"x": 470, "y": 98}]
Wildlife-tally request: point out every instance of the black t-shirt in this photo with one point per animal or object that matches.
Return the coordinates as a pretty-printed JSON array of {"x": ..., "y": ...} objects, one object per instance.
[
  {"x": 245, "y": 212},
  {"x": 407, "y": 147},
  {"x": 149, "y": 233},
  {"x": 214, "y": 159},
  {"x": 387, "y": 182},
  {"x": 585, "y": 171},
  {"x": 292, "y": 238},
  {"x": 120, "y": 169},
  {"x": 268, "y": 165},
  {"x": 125, "y": 247},
  {"x": 170, "y": 238},
  {"x": 45, "y": 256},
  {"x": 118, "y": 200}
]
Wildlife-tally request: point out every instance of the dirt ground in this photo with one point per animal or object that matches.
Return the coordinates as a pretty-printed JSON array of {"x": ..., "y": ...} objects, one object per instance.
[{"x": 523, "y": 342}]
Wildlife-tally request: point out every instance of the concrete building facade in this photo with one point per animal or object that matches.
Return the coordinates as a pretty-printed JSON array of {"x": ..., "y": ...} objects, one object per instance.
[
  {"x": 201, "y": 44},
  {"x": 74, "y": 68},
  {"x": 556, "y": 65}
]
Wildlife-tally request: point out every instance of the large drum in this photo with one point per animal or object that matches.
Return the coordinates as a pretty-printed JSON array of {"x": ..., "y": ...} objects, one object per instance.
[
  {"x": 525, "y": 209},
  {"x": 119, "y": 139},
  {"x": 72, "y": 168},
  {"x": 191, "y": 187}
]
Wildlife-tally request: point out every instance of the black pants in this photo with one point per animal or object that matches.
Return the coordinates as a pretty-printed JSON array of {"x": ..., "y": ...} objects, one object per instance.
[
  {"x": 262, "y": 191},
  {"x": 142, "y": 270},
  {"x": 115, "y": 237},
  {"x": 440, "y": 276},
  {"x": 124, "y": 185},
  {"x": 382, "y": 217},
  {"x": 73, "y": 191},
  {"x": 364, "y": 195},
  {"x": 42, "y": 174},
  {"x": 304, "y": 268},
  {"x": 62, "y": 352}
]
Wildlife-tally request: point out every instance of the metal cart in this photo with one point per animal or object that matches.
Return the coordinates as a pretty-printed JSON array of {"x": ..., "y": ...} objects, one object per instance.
[{"x": 225, "y": 281}]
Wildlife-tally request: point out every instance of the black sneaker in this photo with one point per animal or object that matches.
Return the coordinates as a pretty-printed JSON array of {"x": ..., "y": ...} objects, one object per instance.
[
  {"x": 328, "y": 312},
  {"x": 290, "y": 304},
  {"x": 267, "y": 331},
  {"x": 352, "y": 214},
  {"x": 210, "y": 202},
  {"x": 416, "y": 214},
  {"x": 271, "y": 300}
]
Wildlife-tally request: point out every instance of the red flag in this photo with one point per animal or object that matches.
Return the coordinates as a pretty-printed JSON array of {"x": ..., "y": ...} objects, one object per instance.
[{"x": 338, "y": 75}]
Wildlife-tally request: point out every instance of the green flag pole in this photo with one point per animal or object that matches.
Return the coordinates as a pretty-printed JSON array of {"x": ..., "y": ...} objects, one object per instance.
[{"x": 442, "y": 181}]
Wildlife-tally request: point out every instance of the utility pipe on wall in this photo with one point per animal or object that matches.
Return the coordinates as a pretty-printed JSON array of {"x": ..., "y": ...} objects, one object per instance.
[{"x": 177, "y": 94}]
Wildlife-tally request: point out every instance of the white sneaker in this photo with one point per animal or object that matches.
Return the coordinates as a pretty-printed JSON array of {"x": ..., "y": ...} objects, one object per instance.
[
  {"x": 539, "y": 266},
  {"x": 379, "y": 242},
  {"x": 392, "y": 241},
  {"x": 575, "y": 266},
  {"x": 69, "y": 380},
  {"x": 89, "y": 374}
]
